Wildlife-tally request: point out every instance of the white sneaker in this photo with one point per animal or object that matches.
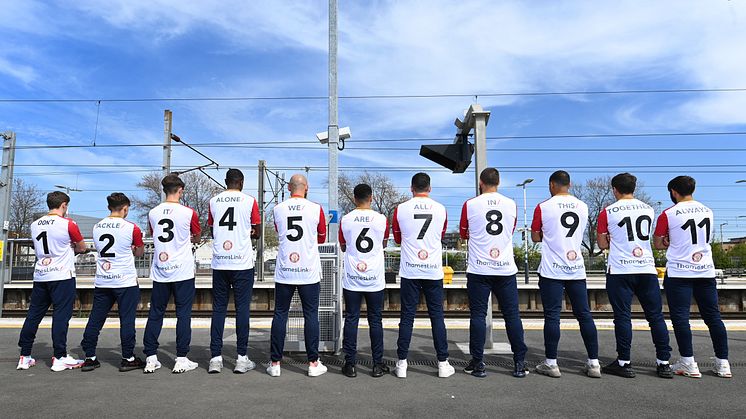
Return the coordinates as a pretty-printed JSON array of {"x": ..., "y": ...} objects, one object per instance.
[
  {"x": 151, "y": 364},
  {"x": 687, "y": 370},
  {"x": 445, "y": 369},
  {"x": 721, "y": 369},
  {"x": 243, "y": 364},
  {"x": 216, "y": 365},
  {"x": 25, "y": 362},
  {"x": 66, "y": 363},
  {"x": 319, "y": 369},
  {"x": 183, "y": 364},
  {"x": 400, "y": 370},
  {"x": 273, "y": 370}
]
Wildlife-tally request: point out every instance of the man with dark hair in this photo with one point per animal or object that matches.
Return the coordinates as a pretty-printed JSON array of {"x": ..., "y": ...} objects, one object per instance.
[
  {"x": 685, "y": 230},
  {"x": 367, "y": 231},
  {"x": 238, "y": 221},
  {"x": 559, "y": 224},
  {"x": 301, "y": 227},
  {"x": 174, "y": 228},
  {"x": 624, "y": 228},
  {"x": 117, "y": 242},
  {"x": 488, "y": 222},
  {"x": 56, "y": 242},
  {"x": 419, "y": 226}
]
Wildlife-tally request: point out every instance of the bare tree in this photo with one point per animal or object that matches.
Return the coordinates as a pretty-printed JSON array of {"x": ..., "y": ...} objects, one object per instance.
[
  {"x": 26, "y": 203},
  {"x": 385, "y": 195},
  {"x": 597, "y": 194},
  {"x": 198, "y": 190}
]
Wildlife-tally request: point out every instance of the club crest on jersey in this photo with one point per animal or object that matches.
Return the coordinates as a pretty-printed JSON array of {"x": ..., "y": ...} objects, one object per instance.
[
  {"x": 422, "y": 254},
  {"x": 46, "y": 261},
  {"x": 163, "y": 256},
  {"x": 227, "y": 245},
  {"x": 362, "y": 266},
  {"x": 106, "y": 266},
  {"x": 294, "y": 257},
  {"x": 697, "y": 257},
  {"x": 494, "y": 253},
  {"x": 572, "y": 255},
  {"x": 637, "y": 252}
]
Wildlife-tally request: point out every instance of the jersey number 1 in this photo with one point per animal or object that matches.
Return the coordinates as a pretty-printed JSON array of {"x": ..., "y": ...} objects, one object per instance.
[{"x": 705, "y": 223}]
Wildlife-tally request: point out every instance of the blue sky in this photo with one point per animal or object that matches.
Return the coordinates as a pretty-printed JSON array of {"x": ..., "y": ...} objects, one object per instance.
[{"x": 173, "y": 49}]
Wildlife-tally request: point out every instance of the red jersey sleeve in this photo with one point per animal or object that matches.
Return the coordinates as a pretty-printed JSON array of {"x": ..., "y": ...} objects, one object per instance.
[
  {"x": 464, "y": 224},
  {"x": 661, "y": 227},
  {"x": 150, "y": 227},
  {"x": 395, "y": 227},
  {"x": 255, "y": 218},
  {"x": 74, "y": 231},
  {"x": 603, "y": 223},
  {"x": 194, "y": 227},
  {"x": 341, "y": 236},
  {"x": 386, "y": 233},
  {"x": 536, "y": 222},
  {"x": 209, "y": 216},
  {"x": 445, "y": 226},
  {"x": 321, "y": 229},
  {"x": 137, "y": 237}
]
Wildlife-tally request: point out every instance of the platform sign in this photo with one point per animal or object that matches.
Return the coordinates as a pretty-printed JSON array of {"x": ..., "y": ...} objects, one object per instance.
[{"x": 333, "y": 216}]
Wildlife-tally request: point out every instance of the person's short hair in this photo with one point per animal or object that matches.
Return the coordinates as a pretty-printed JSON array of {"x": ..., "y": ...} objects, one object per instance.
[
  {"x": 683, "y": 185},
  {"x": 420, "y": 182},
  {"x": 624, "y": 183},
  {"x": 362, "y": 192},
  {"x": 490, "y": 176},
  {"x": 171, "y": 184},
  {"x": 560, "y": 177},
  {"x": 55, "y": 199},
  {"x": 117, "y": 201},
  {"x": 233, "y": 178}
]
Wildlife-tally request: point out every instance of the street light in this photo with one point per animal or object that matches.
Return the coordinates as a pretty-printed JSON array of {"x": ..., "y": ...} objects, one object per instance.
[
  {"x": 741, "y": 181},
  {"x": 525, "y": 228},
  {"x": 721, "y": 234},
  {"x": 67, "y": 190}
]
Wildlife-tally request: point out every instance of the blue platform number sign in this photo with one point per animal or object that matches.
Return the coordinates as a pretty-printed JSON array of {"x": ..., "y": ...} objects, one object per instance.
[{"x": 333, "y": 216}]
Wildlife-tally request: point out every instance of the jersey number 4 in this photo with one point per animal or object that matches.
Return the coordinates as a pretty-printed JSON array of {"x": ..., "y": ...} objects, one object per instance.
[{"x": 227, "y": 220}]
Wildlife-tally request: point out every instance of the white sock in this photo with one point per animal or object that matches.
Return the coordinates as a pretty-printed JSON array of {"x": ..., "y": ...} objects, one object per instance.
[
  {"x": 622, "y": 362},
  {"x": 130, "y": 359},
  {"x": 551, "y": 362},
  {"x": 721, "y": 361},
  {"x": 659, "y": 362},
  {"x": 687, "y": 359},
  {"x": 243, "y": 358},
  {"x": 216, "y": 358},
  {"x": 153, "y": 358},
  {"x": 182, "y": 359},
  {"x": 93, "y": 358},
  {"x": 593, "y": 362},
  {"x": 443, "y": 362}
]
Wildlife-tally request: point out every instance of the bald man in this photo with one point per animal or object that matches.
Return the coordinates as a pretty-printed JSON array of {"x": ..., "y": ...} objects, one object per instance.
[{"x": 300, "y": 225}]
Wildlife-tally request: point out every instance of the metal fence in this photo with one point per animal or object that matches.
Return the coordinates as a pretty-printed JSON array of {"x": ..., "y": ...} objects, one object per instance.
[{"x": 330, "y": 307}]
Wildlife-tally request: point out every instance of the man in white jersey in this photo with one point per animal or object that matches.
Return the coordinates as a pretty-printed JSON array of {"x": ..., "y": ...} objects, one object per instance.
[
  {"x": 56, "y": 242},
  {"x": 234, "y": 221},
  {"x": 488, "y": 222},
  {"x": 559, "y": 224},
  {"x": 419, "y": 225},
  {"x": 366, "y": 231},
  {"x": 624, "y": 228},
  {"x": 300, "y": 225},
  {"x": 174, "y": 228},
  {"x": 685, "y": 230},
  {"x": 117, "y": 243}
]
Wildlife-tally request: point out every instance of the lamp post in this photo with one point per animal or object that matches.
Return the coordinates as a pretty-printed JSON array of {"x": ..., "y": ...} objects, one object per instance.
[
  {"x": 525, "y": 228},
  {"x": 67, "y": 190},
  {"x": 721, "y": 234}
]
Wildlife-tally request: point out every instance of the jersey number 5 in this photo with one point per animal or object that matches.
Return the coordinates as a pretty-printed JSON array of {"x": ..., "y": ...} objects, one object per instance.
[{"x": 297, "y": 227}]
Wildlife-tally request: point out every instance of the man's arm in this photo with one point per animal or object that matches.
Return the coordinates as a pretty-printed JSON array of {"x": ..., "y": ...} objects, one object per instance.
[
  {"x": 395, "y": 228},
  {"x": 536, "y": 234},
  {"x": 602, "y": 230},
  {"x": 321, "y": 228},
  {"x": 256, "y": 222},
  {"x": 138, "y": 246},
  {"x": 660, "y": 236},
  {"x": 341, "y": 238},
  {"x": 195, "y": 228}
]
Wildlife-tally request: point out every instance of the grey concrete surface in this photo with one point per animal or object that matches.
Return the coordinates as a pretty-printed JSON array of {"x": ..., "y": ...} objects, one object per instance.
[{"x": 106, "y": 392}]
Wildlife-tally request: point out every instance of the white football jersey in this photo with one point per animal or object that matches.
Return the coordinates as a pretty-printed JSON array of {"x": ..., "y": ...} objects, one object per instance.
[
  {"x": 562, "y": 219},
  {"x": 115, "y": 264},
  {"x": 235, "y": 213},
  {"x": 689, "y": 227},
  {"x": 53, "y": 237},
  {"x": 628, "y": 222},
  {"x": 363, "y": 231},
  {"x": 301, "y": 226},
  {"x": 419, "y": 225},
  {"x": 488, "y": 221},
  {"x": 172, "y": 226}
]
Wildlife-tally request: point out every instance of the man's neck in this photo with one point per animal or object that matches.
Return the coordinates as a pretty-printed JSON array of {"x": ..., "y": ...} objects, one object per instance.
[
  {"x": 489, "y": 190},
  {"x": 422, "y": 194},
  {"x": 57, "y": 212},
  {"x": 174, "y": 199},
  {"x": 626, "y": 196},
  {"x": 116, "y": 214},
  {"x": 686, "y": 198}
]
